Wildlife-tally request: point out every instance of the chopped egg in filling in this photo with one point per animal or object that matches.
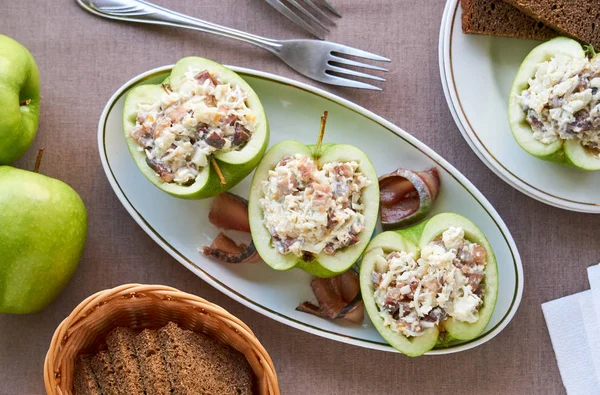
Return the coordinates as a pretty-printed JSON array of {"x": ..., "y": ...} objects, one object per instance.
[
  {"x": 180, "y": 132},
  {"x": 563, "y": 101},
  {"x": 309, "y": 210},
  {"x": 414, "y": 294}
]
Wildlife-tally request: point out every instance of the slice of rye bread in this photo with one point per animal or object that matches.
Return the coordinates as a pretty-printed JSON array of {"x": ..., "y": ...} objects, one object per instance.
[
  {"x": 198, "y": 364},
  {"x": 230, "y": 369},
  {"x": 579, "y": 19},
  {"x": 497, "y": 18},
  {"x": 105, "y": 374},
  {"x": 120, "y": 342},
  {"x": 152, "y": 363},
  {"x": 84, "y": 380}
]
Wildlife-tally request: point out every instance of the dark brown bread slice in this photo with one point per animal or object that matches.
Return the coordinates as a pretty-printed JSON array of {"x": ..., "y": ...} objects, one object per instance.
[
  {"x": 198, "y": 364},
  {"x": 84, "y": 381},
  {"x": 230, "y": 371},
  {"x": 175, "y": 352},
  {"x": 124, "y": 361},
  {"x": 497, "y": 18},
  {"x": 579, "y": 19},
  {"x": 105, "y": 374},
  {"x": 152, "y": 363}
]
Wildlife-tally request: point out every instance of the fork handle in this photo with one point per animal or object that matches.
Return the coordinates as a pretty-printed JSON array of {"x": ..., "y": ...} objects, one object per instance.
[{"x": 144, "y": 12}]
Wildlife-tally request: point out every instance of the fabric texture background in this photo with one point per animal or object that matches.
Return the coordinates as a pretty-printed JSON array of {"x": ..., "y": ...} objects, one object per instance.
[{"x": 83, "y": 59}]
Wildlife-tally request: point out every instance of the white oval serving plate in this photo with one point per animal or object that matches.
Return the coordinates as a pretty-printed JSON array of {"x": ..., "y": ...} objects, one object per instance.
[
  {"x": 294, "y": 110},
  {"x": 477, "y": 73}
]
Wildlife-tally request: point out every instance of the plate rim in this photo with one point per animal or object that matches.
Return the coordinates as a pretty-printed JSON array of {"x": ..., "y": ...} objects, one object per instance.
[
  {"x": 382, "y": 346},
  {"x": 469, "y": 134}
]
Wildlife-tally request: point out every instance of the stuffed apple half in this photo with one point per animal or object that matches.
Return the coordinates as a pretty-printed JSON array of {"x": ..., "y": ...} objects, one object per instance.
[
  {"x": 554, "y": 105},
  {"x": 197, "y": 134},
  {"x": 434, "y": 280},
  {"x": 313, "y": 207}
]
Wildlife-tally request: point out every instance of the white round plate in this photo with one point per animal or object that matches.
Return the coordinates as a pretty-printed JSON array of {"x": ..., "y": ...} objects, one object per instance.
[
  {"x": 477, "y": 73},
  {"x": 294, "y": 110}
]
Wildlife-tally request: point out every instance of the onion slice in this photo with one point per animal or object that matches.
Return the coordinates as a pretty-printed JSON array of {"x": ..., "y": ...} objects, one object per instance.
[
  {"x": 338, "y": 298},
  {"x": 230, "y": 212},
  {"x": 406, "y": 196}
]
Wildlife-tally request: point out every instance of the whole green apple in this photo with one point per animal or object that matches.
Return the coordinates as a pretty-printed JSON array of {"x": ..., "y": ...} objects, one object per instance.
[
  {"x": 19, "y": 99},
  {"x": 43, "y": 227}
]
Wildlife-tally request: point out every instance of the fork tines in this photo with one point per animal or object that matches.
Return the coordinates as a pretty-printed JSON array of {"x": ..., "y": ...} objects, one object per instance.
[
  {"x": 337, "y": 71},
  {"x": 312, "y": 15}
]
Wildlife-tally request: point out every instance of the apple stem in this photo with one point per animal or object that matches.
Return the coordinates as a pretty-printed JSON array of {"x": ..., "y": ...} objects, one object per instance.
[
  {"x": 38, "y": 160},
  {"x": 218, "y": 170},
  {"x": 321, "y": 133},
  {"x": 25, "y": 103}
]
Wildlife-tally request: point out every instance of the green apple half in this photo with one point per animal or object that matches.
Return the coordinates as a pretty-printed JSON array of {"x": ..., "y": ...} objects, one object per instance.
[
  {"x": 43, "y": 227},
  {"x": 19, "y": 99},
  {"x": 567, "y": 152},
  {"x": 235, "y": 165},
  {"x": 412, "y": 240},
  {"x": 322, "y": 265}
]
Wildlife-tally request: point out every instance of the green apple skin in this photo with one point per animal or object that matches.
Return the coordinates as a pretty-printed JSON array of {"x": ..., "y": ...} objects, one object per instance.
[
  {"x": 43, "y": 227},
  {"x": 413, "y": 239},
  {"x": 322, "y": 265},
  {"x": 570, "y": 152},
  {"x": 19, "y": 101},
  {"x": 235, "y": 165}
]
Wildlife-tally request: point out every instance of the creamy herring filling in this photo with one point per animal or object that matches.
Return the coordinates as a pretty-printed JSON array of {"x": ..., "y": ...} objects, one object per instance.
[
  {"x": 180, "y": 132},
  {"x": 310, "y": 210},
  {"x": 413, "y": 294},
  {"x": 563, "y": 101}
]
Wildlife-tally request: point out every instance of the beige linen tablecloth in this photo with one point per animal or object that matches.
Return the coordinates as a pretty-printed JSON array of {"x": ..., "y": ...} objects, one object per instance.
[{"x": 84, "y": 59}]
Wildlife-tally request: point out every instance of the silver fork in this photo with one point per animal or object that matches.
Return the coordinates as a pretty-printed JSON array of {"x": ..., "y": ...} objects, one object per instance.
[
  {"x": 307, "y": 14},
  {"x": 319, "y": 60}
]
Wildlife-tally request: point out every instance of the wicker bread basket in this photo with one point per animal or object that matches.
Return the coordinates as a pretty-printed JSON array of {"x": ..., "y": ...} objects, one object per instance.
[{"x": 140, "y": 306}]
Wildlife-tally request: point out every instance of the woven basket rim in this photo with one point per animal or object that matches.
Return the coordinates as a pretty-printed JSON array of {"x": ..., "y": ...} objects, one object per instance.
[{"x": 90, "y": 304}]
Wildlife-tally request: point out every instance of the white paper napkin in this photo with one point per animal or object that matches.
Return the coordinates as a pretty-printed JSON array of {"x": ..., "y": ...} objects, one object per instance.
[
  {"x": 564, "y": 319},
  {"x": 594, "y": 279},
  {"x": 591, "y": 308},
  {"x": 574, "y": 326},
  {"x": 592, "y": 330}
]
